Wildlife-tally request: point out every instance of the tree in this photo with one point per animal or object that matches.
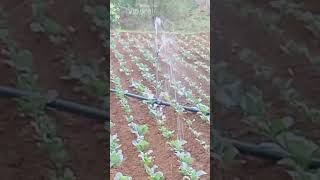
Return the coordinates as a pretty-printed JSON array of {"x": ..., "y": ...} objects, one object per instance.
[{"x": 114, "y": 13}]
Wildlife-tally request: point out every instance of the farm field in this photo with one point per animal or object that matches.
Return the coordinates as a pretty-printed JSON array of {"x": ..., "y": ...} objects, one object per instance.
[
  {"x": 267, "y": 74},
  {"x": 149, "y": 141},
  {"x": 53, "y": 49}
]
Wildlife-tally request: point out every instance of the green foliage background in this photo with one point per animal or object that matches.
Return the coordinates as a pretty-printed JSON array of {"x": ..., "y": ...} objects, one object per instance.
[{"x": 178, "y": 15}]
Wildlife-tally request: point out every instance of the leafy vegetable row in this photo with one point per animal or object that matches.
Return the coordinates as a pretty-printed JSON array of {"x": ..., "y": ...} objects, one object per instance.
[
  {"x": 299, "y": 150},
  {"x": 140, "y": 143},
  {"x": 34, "y": 107},
  {"x": 158, "y": 115}
]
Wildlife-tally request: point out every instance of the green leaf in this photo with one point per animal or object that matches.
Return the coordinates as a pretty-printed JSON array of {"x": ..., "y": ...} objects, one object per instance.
[
  {"x": 4, "y": 33},
  {"x": 299, "y": 147},
  {"x": 116, "y": 157},
  {"x": 157, "y": 176},
  {"x": 68, "y": 174},
  {"x": 23, "y": 60},
  {"x": 141, "y": 144},
  {"x": 120, "y": 176},
  {"x": 290, "y": 163},
  {"x": 36, "y": 27},
  {"x": 52, "y": 27},
  {"x": 278, "y": 126}
]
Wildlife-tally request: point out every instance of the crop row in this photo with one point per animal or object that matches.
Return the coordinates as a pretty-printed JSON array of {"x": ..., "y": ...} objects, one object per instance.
[
  {"x": 34, "y": 107},
  {"x": 299, "y": 150},
  {"x": 287, "y": 91},
  {"x": 148, "y": 93},
  {"x": 140, "y": 143},
  {"x": 271, "y": 21},
  {"x": 177, "y": 85},
  {"x": 149, "y": 56},
  {"x": 184, "y": 53},
  {"x": 185, "y": 157}
]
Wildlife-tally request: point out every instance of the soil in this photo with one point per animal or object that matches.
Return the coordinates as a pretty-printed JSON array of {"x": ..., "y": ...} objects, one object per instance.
[
  {"x": 84, "y": 138},
  {"x": 229, "y": 27},
  {"x": 158, "y": 143},
  {"x": 181, "y": 71}
]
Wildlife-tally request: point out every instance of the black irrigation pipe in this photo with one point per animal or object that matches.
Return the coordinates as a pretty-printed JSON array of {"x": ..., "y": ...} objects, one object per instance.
[
  {"x": 191, "y": 109},
  {"x": 59, "y": 104},
  {"x": 263, "y": 152},
  {"x": 244, "y": 148}
]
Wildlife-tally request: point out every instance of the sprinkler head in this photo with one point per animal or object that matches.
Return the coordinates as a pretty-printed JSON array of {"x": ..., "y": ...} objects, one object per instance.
[{"x": 158, "y": 101}]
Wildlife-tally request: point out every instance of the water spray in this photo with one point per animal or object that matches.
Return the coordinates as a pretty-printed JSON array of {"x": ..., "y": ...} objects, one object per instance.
[
  {"x": 164, "y": 42},
  {"x": 157, "y": 24}
]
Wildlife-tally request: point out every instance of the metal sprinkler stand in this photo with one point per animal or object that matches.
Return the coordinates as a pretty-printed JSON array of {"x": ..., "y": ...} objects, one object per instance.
[{"x": 157, "y": 75}]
